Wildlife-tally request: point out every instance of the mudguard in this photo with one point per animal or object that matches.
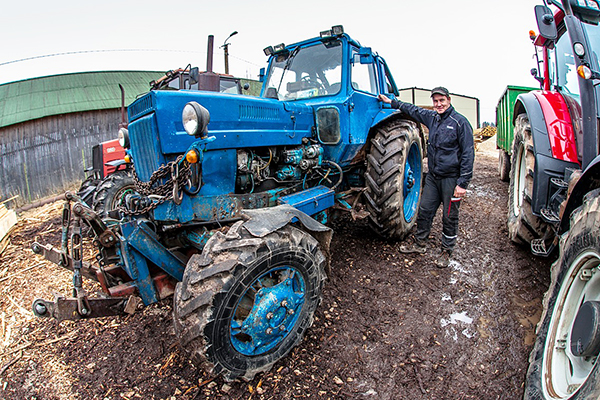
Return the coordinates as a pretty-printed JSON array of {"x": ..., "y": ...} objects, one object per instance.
[
  {"x": 386, "y": 116},
  {"x": 263, "y": 221},
  {"x": 546, "y": 165}
]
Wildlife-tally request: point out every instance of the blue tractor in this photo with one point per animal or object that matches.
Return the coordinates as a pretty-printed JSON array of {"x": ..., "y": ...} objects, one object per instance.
[{"x": 232, "y": 196}]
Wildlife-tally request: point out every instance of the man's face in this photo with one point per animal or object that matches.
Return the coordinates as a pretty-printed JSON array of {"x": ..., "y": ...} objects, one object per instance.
[{"x": 440, "y": 103}]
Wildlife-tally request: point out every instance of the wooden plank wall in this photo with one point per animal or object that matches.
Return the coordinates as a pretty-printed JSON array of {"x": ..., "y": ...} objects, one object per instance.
[{"x": 47, "y": 156}]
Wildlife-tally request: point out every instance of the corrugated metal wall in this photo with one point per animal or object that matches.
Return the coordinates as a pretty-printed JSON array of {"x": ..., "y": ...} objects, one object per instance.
[{"x": 47, "y": 156}]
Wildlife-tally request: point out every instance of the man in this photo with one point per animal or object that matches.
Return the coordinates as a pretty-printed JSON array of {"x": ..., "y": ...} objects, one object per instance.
[{"x": 450, "y": 154}]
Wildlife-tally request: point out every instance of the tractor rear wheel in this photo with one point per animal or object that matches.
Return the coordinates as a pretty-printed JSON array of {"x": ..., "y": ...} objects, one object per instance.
[
  {"x": 523, "y": 226},
  {"x": 110, "y": 192},
  {"x": 564, "y": 363},
  {"x": 247, "y": 301},
  {"x": 503, "y": 165},
  {"x": 393, "y": 178}
]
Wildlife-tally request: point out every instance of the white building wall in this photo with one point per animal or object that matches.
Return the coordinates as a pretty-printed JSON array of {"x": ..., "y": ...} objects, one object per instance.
[{"x": 467, "y": 106}]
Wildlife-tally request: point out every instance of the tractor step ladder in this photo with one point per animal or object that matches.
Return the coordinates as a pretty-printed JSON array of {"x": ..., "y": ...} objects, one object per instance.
[
  {"x": 539, "y": 248},
  {"x": 549, "y": 216}
]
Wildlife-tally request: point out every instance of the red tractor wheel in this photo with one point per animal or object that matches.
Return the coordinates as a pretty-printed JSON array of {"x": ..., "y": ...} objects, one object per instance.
[{"x": 523, "y": 226}]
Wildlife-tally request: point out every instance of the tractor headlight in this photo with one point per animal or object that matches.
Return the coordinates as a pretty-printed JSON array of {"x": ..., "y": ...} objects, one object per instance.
[
  {"x": 195, "y": 119},
  {"x": 124, "y": 138},
  {"x": 579, "y": 49}
]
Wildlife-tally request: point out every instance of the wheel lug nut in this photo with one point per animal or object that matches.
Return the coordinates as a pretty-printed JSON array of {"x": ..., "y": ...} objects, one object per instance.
[
  {"x": 269, "y": 315},
  {"x": 284, "y": 303},
  {"x": 291, "y": 311},
  {"x": 269, "y": 331},
  {"x": 282, "y": 328}
]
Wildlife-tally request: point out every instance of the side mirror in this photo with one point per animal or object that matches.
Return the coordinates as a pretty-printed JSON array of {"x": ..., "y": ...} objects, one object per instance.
[
  {"x": 194, "y": 76},
  {"x": 546, "y": 22},
  {"x": 534, "y": 73}
]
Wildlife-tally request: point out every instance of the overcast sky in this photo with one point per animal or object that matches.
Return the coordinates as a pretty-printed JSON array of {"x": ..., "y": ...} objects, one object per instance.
[{"x": 473, "y": 47}]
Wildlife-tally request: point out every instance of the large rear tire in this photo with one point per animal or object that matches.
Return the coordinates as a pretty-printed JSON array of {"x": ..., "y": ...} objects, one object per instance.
[
  {"x": 87, "y": 190},
  {"x": 523, "y": 226},
  {"x": 111, "y": 190},
  {"x": 564, "y": 361},
  {"x": 246, "y": 301},
  {"x": 393, "y": 179}
]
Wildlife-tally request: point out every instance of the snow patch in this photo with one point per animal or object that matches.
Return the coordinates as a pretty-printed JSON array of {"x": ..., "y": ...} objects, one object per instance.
[
  {"x": 455, "y": 318},
  {"x": 455, "y": 265}
]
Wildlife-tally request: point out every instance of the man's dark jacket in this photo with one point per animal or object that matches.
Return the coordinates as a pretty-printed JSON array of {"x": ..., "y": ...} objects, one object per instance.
[{"x": 450, "y": 151}]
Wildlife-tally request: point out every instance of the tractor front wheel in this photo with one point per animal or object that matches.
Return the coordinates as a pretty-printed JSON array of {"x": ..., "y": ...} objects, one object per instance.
[
  {"x": 523, "y": 226},
  {"x": 247, "y": 301},
  {"x": 564, "y": 363},
  {"x": 393, "y": 178}
]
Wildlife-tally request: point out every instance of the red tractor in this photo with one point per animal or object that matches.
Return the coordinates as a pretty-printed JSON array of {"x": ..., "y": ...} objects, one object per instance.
[
  {"x": 109, "y": 177},
  {"x": 555, "y": 196}
]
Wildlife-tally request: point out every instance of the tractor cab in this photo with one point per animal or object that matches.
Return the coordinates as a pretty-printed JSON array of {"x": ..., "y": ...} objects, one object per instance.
[
  {"x": 340, "y": 80},
  {"x": 569, "y": 41}
]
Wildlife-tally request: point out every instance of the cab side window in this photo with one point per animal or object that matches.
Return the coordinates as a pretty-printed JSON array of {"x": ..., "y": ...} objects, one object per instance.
[
  {"x": 363, "y": 74},
  {"x": 563, "y": 71}
]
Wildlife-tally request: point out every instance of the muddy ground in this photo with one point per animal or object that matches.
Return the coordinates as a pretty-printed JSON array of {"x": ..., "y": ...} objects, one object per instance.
[{"x": 390, "y": 326}]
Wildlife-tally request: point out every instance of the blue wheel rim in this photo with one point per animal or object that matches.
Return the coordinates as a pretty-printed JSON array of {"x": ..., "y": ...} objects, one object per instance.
[
  {"x": 267, "y": 311},
  {"x": 412, "y": 182}
]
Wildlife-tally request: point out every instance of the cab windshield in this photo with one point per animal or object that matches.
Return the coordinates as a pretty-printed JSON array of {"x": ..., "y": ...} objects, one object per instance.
[{"x": 306, "y": 72}]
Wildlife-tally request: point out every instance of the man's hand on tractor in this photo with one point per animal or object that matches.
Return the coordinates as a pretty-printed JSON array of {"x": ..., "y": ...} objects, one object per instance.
[{"x": 384, "y": 99}]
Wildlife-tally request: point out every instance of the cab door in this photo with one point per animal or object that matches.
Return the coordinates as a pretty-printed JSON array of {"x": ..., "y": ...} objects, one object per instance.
[{"x": 363, "y": 105}]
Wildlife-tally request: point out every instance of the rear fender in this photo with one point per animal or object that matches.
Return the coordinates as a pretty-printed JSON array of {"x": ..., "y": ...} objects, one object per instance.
[{"x": 383, "y": 119}]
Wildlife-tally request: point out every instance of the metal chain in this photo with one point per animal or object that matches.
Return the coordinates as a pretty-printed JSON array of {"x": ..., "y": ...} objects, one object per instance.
[{"x": 178, "y": 174}]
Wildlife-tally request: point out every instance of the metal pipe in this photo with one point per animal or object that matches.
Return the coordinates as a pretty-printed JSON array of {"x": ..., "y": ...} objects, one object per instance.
[
  {"x": 209, "y": 53},
  {"x": 123, "y": 120}
]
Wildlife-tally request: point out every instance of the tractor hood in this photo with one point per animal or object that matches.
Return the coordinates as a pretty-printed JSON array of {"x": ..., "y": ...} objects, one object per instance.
[{"x": 157, "y": 135}]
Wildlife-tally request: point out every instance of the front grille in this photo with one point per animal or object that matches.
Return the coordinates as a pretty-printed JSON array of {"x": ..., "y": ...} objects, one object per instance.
[
  {"x": 141, "y": 106},
  {"x": 144, "y": 141},
  {"x": 256, "y": 112}
]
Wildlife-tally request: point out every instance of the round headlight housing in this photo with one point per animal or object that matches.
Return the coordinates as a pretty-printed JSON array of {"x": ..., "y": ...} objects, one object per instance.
[
  {"x": 195, "y": 119},
  {"x": 579, "y": 49},
  {"x": 124, "y": 138}
]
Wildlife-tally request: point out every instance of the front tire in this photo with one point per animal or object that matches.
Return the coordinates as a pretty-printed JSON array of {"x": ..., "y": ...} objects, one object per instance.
[
  {"x": 393, "y": 179},
  {"x": 246, "y": 301},
  {"x": 523, "y": 226},
  {"x": 564, "y": 361}
]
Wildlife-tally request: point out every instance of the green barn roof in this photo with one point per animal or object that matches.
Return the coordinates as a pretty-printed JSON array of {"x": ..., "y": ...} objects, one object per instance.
[{"x": 60, "y": 94}]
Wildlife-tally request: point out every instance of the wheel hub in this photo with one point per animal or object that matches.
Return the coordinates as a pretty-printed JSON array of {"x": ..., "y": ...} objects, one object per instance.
[
  {"x": 585, "y": 333},
  {"x": 409, "y": 178},
  {"x": 273, "y": 314}
]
